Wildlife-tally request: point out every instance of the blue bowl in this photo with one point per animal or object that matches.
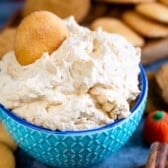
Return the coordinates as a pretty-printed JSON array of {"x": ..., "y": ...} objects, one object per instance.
[{"x": 75, "y": 148}]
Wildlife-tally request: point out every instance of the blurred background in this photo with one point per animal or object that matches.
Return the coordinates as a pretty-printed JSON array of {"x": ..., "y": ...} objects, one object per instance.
[
  {"x": 7, "y": 8},
  {"x": 133, "y": 19},
  {"x": 154, "y": 45}
]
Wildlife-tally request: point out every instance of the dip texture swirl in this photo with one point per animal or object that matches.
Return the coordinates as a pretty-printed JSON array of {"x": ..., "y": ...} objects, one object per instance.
[{"x": 88, "y": 82}]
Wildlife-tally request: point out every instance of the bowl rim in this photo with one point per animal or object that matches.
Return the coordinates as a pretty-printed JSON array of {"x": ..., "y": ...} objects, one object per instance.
[{"x": 144, "y": 88}]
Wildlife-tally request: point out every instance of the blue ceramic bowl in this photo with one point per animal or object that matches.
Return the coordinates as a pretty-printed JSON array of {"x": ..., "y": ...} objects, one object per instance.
[{"x": 75, "y": 148}]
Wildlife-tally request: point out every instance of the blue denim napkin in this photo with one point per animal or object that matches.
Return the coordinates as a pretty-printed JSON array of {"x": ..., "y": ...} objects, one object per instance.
[{"x": 7, "y": 9}]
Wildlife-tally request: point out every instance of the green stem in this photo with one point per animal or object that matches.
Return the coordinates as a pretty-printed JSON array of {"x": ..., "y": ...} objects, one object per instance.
[{"x": 158, "y": 116}]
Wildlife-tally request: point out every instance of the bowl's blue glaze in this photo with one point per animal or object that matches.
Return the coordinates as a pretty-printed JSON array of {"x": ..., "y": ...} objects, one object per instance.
[{"x": 75, "y": 148}]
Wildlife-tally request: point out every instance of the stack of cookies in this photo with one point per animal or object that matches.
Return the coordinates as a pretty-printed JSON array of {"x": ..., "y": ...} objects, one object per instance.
[
  {"x": 7, "y": 145},
  {"x": 143, "y": 22}
]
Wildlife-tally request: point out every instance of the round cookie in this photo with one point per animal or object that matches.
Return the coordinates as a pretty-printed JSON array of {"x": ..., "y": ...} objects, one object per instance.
[
  {"x": 6, "y": 41},
  {"x": 63, "y": 8},
  {"x": 159, "y": 12},
  {"x": 39, "y": 32},
  {"x": 113, "y": 25},
  {"x": 7, "y": 159},
  {"x": 6, "y": 139},
  {"x": 144, "y": 26}
]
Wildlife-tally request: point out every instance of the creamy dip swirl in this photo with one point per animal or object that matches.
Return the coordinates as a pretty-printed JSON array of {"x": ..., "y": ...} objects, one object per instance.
[{"x": 88, "y": 82}]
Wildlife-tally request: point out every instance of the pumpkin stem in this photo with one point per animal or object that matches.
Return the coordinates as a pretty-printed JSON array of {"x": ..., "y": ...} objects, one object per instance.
[{"x": 158, "y": 115}]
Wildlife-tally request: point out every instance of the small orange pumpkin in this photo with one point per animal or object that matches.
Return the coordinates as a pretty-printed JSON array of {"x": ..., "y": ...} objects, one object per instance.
[{"x": 156, "y": 127}]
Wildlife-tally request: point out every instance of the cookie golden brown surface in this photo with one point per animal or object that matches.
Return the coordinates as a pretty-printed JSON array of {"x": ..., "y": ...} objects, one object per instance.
[
  {"x": 6, "y": 139},
  {"x": 7, "y": 41},
  {"x": 39, "y": 32},
  {"x": 159, "y": 12},
  {"x": 7, "y": 159},
  {"x": 164, "y": 2},
  {"x": 114, "y": 25},
  {"x": 144, "y": 26},
  {"x": 63, "y": 8}
]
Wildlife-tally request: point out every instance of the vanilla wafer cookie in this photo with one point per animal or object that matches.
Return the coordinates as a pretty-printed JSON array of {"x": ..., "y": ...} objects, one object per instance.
[
  {"x": 7, "y": 41},
  {"x": 39, "y": 32},
  {"x": 7, "y": 159},
  {"x": 6, "y": 139},
  {"x": 159, "y": 12},
  {"x": 113, "y": 25},
  {"x": 144, "y": 26},
  {"x": 63, "y": 8},
  {"x": 164, "y": 2}
]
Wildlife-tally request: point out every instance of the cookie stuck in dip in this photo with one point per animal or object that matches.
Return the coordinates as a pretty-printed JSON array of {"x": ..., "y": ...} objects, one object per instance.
[{"x": 89, "y": 81}]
